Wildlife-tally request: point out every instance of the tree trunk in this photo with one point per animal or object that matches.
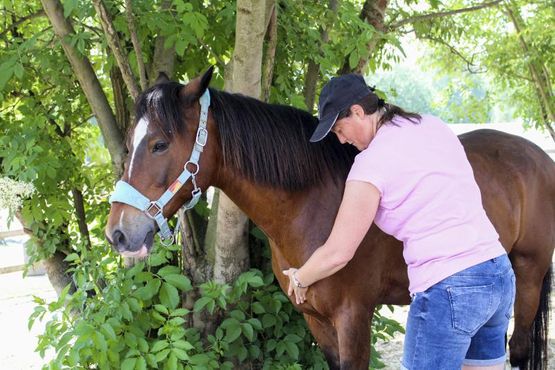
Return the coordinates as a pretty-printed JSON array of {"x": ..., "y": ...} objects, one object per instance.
[
  {"x": 231, "y": 242},
  {"x": 164, "y": 59},
  {"x": 114, "y": 44},
  {"x": 82, "y": 68},
  {"x": 372, "y": 12},
  {"x": 228, "y": 226},
  {"x": 313, "y": 70}
]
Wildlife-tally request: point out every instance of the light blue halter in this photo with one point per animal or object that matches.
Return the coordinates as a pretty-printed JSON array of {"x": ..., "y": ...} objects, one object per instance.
[{"x": 125, "y": 193}]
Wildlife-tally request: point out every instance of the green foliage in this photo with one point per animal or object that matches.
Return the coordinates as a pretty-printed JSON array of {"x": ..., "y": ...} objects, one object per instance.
[{"x": 135, "y": 320}]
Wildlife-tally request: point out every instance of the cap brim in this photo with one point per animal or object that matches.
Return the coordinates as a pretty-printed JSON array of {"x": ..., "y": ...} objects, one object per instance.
[{"x": 323, "y": 128}]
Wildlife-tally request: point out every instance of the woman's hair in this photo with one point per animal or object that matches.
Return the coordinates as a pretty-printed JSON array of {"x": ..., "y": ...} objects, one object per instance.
[{"x": 371, "y": 103}]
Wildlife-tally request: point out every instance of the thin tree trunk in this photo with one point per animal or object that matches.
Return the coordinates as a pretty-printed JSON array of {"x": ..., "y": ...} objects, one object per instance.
[
  {"x": 115, "y": 45},
  {"x": 56, "y": 269},
  {"x": 373, "y": 13},
  {"x": 231, "y": 245},
  {"x": 84, "y": 72},
  {"x": 81, "y": 215},
  {"x": 136, "y": 44},
  {"x": 270, "y": 54},
  {"x": 123, "y": 117},
  {"x": 313, "y": 70},
  {"x": 164, "y": 59}
]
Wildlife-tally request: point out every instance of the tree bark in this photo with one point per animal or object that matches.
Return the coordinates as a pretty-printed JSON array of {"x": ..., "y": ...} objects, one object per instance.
[
  {"x": 231, "y": 244},
  {"x": 114, "y": 43},
  {"x": 270, "y": 54},
  {"x": 313, "y": 70},
  {"x": 81, "y": 215},
  {"x": 92, "y": 89},
  {"x": 164, "y": 59},
  {"x": 373, "y": 13},
  {"x": 136, "y": 44}
]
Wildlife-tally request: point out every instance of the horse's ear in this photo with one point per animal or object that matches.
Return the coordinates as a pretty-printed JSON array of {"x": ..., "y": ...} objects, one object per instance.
[
  {"x": 205, "y": 80},
  {"x": 194, "y": 89},
  {"x": 162, "y": 77}
]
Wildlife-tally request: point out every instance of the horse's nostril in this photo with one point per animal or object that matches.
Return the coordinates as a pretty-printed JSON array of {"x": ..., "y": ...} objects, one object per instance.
[{"x": 119, "y": 240}]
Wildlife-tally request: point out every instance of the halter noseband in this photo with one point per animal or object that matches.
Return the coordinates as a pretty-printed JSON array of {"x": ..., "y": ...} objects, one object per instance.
[{"x": 125, "y": 193}]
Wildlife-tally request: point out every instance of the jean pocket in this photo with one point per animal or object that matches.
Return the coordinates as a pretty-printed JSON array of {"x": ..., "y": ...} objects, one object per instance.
[{"x": 470, "y": 307}]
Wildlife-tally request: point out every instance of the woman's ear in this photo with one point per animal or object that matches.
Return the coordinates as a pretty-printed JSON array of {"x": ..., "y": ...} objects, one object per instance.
[{"x": 358, "y": 111}]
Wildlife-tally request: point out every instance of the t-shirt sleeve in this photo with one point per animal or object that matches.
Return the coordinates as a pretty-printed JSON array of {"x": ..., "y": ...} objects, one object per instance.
[{"x": 367, "y": 168}]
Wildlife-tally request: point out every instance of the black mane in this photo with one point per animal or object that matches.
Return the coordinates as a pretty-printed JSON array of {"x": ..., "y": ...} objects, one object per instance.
[{"x": 266, "y": 143}]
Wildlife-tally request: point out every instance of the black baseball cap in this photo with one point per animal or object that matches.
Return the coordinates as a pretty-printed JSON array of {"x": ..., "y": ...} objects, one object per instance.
[{"x": 336, "y": 96}]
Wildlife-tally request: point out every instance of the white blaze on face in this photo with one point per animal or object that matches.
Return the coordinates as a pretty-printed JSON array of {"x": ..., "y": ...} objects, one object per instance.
[{"x": 138, "y": 136}]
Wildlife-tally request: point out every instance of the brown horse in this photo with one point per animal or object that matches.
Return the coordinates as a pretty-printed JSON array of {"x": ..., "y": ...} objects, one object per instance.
[{"x": 259, "y": 155}]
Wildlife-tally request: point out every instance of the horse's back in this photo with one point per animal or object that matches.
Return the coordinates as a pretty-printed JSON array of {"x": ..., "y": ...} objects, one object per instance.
[{"x": 517, "y": 181}]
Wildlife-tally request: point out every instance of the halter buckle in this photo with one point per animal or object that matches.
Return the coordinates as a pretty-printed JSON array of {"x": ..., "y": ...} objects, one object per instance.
[
  {"x": 202, "y": 136},
  {"x": 156, "y": 207}
]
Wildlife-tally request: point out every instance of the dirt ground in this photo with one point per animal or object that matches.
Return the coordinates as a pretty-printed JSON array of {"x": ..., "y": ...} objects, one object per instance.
[{"x": 17, "y": 343}]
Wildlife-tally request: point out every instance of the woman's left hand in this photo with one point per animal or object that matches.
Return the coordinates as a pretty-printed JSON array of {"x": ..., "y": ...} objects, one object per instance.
[{"x": 300, "y": 293}]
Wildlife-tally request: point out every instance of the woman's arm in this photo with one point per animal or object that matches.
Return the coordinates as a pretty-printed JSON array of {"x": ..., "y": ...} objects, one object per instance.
[{"x": 356, "y": 214}]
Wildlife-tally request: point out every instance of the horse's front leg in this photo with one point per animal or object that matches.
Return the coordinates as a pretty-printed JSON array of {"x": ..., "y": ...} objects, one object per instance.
[
  {"x": 352, "y": 324},
  {"x": 326, "y": 337}
]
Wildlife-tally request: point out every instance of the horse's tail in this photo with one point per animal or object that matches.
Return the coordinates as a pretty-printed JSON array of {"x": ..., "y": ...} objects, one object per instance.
[{"x": 538, "y": 349}]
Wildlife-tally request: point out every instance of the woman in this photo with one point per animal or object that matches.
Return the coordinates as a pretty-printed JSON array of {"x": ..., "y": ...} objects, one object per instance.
[{"x": 412, "y": 178}]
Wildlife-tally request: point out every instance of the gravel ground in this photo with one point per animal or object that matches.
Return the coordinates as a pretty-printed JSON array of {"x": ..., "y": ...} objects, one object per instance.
[{"x": 17, "y": 343}]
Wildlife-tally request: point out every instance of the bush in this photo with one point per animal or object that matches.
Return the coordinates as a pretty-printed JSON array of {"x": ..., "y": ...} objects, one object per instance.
[{"x": 135, "y": 320}]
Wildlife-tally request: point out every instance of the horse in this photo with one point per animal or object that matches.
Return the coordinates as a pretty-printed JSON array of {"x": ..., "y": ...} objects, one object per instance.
[{"x": 260, "y": 156}]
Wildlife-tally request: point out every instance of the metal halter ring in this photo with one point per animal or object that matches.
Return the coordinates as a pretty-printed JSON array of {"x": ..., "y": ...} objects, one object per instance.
[
  {"x": 193, "y": 163},
  {"x": 171, "y": 239}
]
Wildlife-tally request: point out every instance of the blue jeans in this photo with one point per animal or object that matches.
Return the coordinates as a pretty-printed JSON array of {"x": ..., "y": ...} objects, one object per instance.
[{"x": 463, "y": 319}]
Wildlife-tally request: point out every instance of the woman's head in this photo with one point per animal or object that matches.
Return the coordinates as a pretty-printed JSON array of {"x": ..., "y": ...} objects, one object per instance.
[{"x": 352, "y": 110}]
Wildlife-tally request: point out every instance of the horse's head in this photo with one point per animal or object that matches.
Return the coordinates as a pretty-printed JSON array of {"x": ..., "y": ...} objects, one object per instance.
[{"x": 170, "y": 161}]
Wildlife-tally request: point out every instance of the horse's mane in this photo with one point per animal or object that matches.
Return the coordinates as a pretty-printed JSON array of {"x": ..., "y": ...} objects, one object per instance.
[{"x": 266, "y": 143}]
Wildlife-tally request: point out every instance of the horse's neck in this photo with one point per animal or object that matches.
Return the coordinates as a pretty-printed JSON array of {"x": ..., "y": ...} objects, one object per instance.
[{"x": 297, "y": 222}]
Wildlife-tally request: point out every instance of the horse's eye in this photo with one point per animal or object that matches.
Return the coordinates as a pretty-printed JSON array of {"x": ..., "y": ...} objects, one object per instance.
[{"x": 159, "y": 147}]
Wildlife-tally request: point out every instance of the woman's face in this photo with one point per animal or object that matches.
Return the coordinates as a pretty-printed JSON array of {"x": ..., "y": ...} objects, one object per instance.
[{"x": 357, "y": 129}]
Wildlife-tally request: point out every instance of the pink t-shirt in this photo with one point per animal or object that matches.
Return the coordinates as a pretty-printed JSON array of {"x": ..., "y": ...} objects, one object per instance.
[{"x": 429, "y": 199}]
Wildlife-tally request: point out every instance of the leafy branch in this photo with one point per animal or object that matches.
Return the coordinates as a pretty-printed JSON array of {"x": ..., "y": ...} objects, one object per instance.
[{"x": 447, "y": 13}]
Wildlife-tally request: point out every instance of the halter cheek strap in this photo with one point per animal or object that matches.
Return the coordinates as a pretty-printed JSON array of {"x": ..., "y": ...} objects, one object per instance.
[{"x": 125, "y": 193}]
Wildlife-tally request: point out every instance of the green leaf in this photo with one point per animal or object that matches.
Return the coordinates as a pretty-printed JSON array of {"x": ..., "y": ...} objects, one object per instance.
[
  {"x": 71, "y": 257},
  {"x": 233, "y": 331},
  {"x": 201, "y": 302},
  {"x": 129, "y": 363},
  {"x": 159, "y": 345},
  {"x": 180, "y": 312},
  {"x": 179, "y": 281},
  {"x": 169, "y": 270},
  {"x": 180, "y": 354},
  {"x": 248, "y": 331},
  {"x": 257, "y": 308},
  {"x": 161, "y": 308},
  {"x": 169, "y": 296},
  {"x": 292, "y": 350},
  {"x": 160, "y": 356},
  {"x": 268, "y": 320},
  {"x": 141, "y": 364},
  {"x": 183, "y": 345}
]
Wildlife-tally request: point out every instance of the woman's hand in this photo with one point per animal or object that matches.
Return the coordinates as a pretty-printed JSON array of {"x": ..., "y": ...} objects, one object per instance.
[{"x": 300, "y": 293}]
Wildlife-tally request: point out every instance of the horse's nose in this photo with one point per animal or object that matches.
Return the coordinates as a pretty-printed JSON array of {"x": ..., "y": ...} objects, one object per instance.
[{"x": 119, "y": 241}]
